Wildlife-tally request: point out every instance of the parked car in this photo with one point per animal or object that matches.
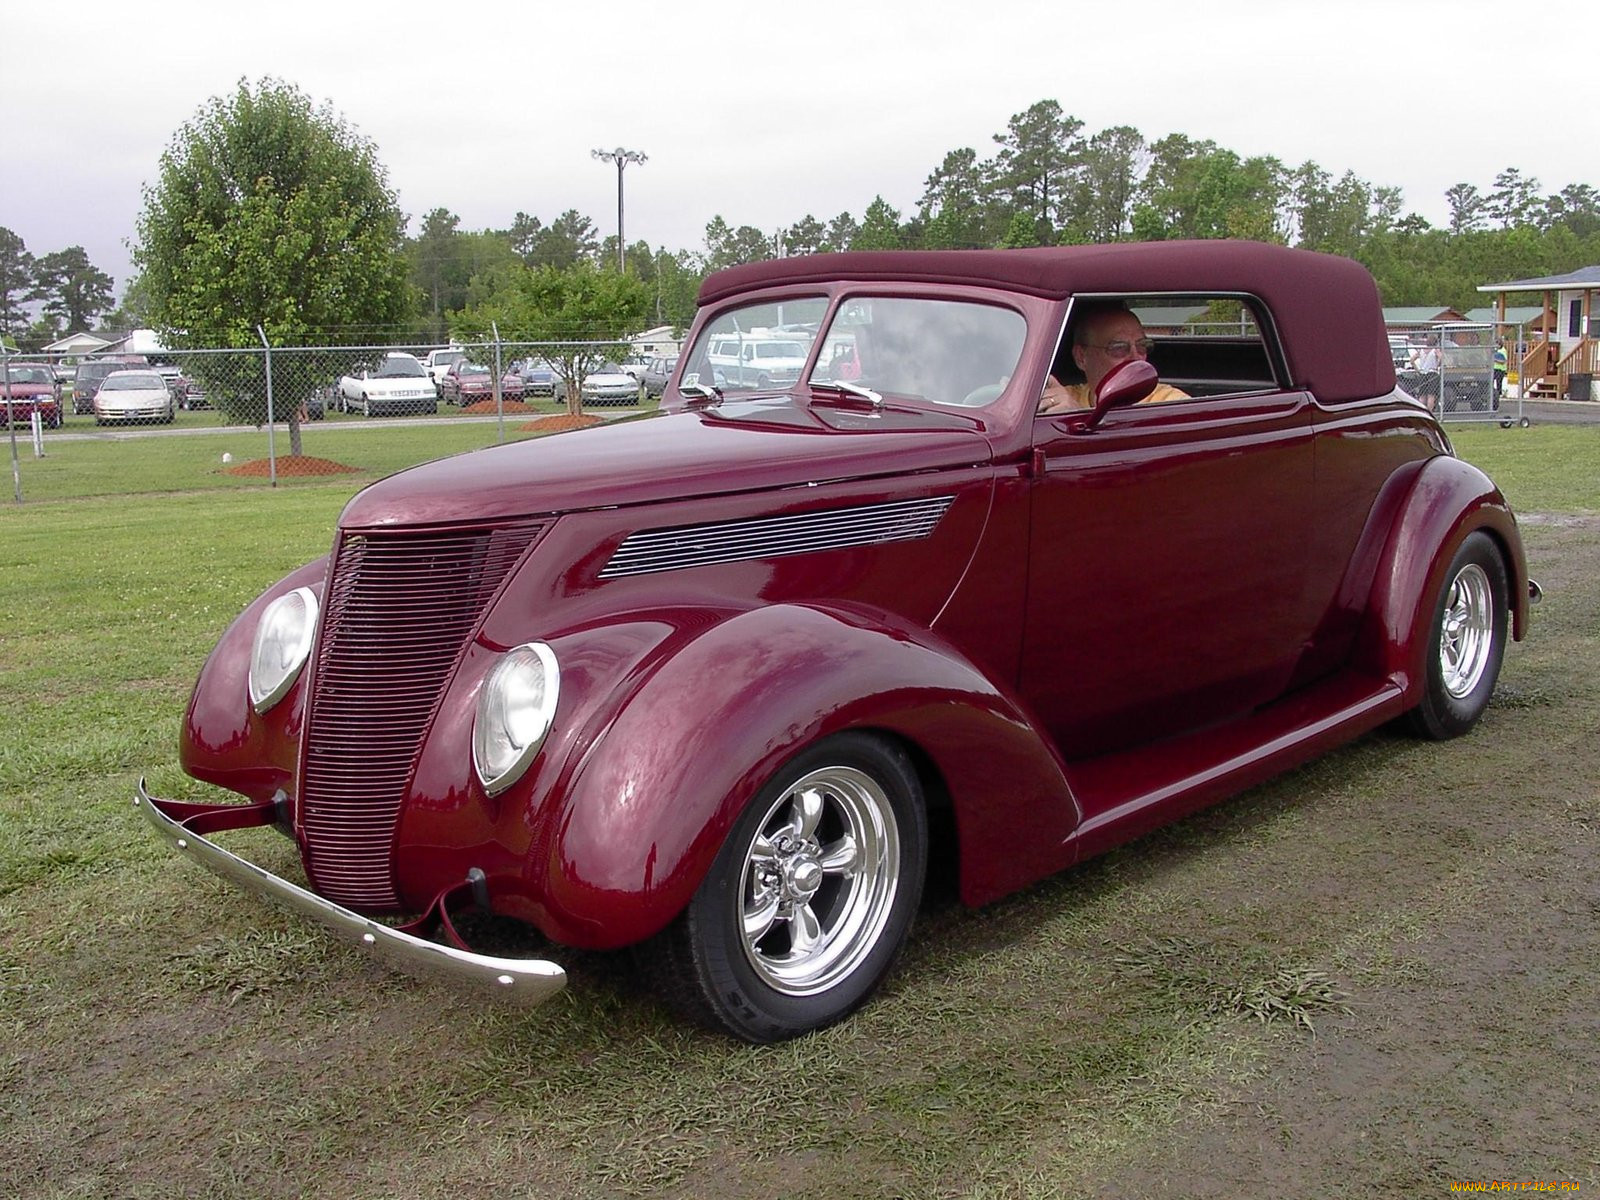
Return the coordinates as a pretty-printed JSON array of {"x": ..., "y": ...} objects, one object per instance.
[
  {"x": 136, "y": 395},
  {"x": 721, "y": 682},
  {"x": 29, "y": 388},
  {"x": 397, "y": 384},
  {"x": 538, "y": 376},
  {"x": 469, "y": 382},
  {"x": 606, "y": 384},
  {"x": 657, "y": 374},
  {"x": 90, "y": 375}
]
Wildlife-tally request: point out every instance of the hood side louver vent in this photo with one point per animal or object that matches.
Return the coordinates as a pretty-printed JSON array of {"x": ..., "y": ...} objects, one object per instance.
[{"x": 773, "y": 537}]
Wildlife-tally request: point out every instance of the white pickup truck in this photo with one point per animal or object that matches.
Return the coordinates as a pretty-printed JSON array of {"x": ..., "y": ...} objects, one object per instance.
[{"x": 438, "y": 362}]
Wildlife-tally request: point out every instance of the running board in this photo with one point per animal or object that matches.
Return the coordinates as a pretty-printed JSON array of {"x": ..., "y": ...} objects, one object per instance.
[{"x": 1132, "y": 792}]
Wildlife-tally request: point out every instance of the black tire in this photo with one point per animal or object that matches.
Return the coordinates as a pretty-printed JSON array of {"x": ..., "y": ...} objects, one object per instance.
[
  {"x": 864, "y": 801},
  {"x": 1466, "y": 641}
]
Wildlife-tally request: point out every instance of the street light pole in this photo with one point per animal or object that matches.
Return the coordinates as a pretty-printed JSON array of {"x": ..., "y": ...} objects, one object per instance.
[{"x": 622, "y": 158}]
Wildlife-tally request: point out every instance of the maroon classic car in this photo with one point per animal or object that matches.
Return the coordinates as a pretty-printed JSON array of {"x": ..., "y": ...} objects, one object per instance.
[
  {"x": 30, "y": 388},
  {"x": 720, "y": 682}
]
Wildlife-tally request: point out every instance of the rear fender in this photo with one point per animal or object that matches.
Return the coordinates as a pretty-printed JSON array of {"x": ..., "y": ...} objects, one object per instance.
[
  {"x": 1449, "y": 500},
  {"x": 633, "y": 835}
]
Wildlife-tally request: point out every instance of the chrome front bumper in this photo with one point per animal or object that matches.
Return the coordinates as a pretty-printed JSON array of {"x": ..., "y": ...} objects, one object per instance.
[{"x": 518, "y": 981}]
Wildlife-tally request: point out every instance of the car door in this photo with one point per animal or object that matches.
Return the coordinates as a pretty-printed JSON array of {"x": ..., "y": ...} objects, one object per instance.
[{"x": 1166, "y": 584}]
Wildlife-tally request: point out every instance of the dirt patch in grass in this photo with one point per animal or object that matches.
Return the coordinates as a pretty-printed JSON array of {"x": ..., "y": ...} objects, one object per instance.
[
  {"x": 559, "y": 423},
  {"x": 512, "y": 408},
  {"x": 290, "y": 464}
]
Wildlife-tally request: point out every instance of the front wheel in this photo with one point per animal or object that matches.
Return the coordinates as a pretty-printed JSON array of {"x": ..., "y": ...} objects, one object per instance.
[
  {"x": 1466, "y": 641},
  {"x": 809, "y": 899}
]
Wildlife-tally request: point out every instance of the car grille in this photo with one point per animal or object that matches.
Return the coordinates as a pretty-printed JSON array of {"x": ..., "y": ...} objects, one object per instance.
[{"x": 399, "y": 610}]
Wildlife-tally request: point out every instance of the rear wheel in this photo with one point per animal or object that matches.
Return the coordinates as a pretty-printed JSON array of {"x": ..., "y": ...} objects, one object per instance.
[
  {"x": 809, "y": 899},
  {"x": 1466, "y": 641}
]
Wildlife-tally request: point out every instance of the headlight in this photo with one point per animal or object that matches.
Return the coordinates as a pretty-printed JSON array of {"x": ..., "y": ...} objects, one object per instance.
[
  {"x": 515, "y": 709},
  {"x": 283, "y": 641}
]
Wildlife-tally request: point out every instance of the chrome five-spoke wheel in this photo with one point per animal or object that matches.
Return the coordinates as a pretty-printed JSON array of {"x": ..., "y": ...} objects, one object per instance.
[
  {"x": 809, "y": 899},
  {"x": 819, "y": 880},
  {"x": 1466, "y": 640},
  {"x": 1466, "y": 637}
]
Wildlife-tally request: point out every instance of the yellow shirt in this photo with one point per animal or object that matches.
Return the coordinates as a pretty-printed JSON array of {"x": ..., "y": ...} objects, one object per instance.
[{"x": 1076, "y": 397}]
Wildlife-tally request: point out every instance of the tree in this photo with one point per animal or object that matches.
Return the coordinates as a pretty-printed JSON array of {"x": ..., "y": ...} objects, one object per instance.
[
  {"x": 567, "y": 241},
  {"x": 1515, "y": 200},
  {"x": 841, "y": 232},
  {"x": 270, "y": 212},
  {"x": 436, "y": 265},
  {"x": 1466, "y": 208},
  {"x": 73, "y": 289},
  {"x": 880, "y": 228},
  {"x": 16, "y": 280},
  {"x": 729, "y": 247},
  {"x": 806, "y": 236},
  {"x": 955, "y": 209},
  {"x": 1034, "y": 170},
  {"x": 583, "y": 310},
  {"x": 1101, "y": 207}
]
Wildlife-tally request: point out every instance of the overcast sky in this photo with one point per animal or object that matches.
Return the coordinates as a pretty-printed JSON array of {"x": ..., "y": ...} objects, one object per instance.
[{"x": 762, "y": 112}]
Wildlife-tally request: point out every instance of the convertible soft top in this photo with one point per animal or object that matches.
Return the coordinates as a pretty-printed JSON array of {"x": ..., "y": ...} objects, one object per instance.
[{"x": 1327, "y": 308}]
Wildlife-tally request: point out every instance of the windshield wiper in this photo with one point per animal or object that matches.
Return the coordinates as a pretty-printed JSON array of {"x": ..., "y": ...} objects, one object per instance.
[
  {"x": 845, "y": 388},
  {"x": 701, "y": 393}
]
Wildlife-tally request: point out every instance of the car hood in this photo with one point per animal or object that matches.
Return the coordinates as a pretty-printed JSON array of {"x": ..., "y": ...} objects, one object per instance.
[
  {"x": 609, "y": 379},
  {"x": 27, "y": 391},
  {"x": 744, "y": 447},
  {"x": 133, "y": 395}
]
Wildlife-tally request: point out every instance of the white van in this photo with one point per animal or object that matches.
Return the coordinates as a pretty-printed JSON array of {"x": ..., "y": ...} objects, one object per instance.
[{"x": 747, "y": 362}]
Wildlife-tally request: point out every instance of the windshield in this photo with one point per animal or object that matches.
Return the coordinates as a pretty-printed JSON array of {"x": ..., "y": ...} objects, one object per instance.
[
  {"x": 945, "y": 351},
  {"x": 30, "y": 375},
  {"x": 756, "y": 347},
  {"x": 134, "y": 383},
  {"x": 445, "y": 357},
  {"x": 400, "y": 368},
  {"x": 467, "y": 368}
]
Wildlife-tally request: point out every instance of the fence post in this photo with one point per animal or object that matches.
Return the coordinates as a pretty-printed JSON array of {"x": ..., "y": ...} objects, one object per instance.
[
  {"x": 11, "y": 429},
  {"x": 272, "y": 456},
  {"x": 499, "y": 401}
]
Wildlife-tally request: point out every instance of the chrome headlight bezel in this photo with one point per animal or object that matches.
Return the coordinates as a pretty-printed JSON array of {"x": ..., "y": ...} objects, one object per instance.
[
  {"x": 288, "y": 624},
  {"x": 516, "y": 708}
]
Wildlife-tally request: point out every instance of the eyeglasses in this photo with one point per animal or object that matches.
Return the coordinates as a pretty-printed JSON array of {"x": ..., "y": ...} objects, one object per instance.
[{"x": 1122, "y": 349}]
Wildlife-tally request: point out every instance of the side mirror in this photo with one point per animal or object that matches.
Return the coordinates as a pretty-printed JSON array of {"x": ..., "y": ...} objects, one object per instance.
[{"x": 1124, "y": 385}]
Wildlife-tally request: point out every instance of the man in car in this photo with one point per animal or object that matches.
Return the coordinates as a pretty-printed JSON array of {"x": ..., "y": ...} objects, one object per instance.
[{"x": 1104, "y": 336}]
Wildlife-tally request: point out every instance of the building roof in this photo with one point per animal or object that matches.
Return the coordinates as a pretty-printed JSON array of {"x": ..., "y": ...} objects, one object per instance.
[
  {"x": 1516, "y": 314},
  {"x": 77, "y": 343},
  {"x": 1421, "y": 314},
  {"x": 1325, "y": 306},
  {"x": 1583, "y": 277}
]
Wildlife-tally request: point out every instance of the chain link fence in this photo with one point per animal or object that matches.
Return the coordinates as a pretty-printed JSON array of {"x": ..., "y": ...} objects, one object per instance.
[
  {"x": 122, "y": 424},
  {"x": 1463, "y": 372}
]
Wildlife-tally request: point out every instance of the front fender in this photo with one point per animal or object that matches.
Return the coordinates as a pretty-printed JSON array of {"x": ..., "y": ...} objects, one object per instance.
[
  {"x": 224, "y": 740},
  {"x": 647, "y": 809},
  {"x": 1449, "y": 500}
]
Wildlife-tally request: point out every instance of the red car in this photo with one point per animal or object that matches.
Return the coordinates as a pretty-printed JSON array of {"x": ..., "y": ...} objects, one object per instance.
[
  {"x": 466, "y": 383},
  {"x": 30, "y": 388},
  {"x": 720, "y": 682}
]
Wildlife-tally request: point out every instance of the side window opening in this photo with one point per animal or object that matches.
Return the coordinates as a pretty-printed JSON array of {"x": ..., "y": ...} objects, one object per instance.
[{"x": 1200, "y": 345}]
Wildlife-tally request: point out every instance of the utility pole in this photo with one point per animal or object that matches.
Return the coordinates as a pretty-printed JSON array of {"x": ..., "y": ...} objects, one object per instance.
[{"x": 622, "y": 158}]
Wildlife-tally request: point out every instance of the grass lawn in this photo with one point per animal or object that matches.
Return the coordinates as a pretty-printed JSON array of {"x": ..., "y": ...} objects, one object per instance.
[{"x": 1373, "y": 976}]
